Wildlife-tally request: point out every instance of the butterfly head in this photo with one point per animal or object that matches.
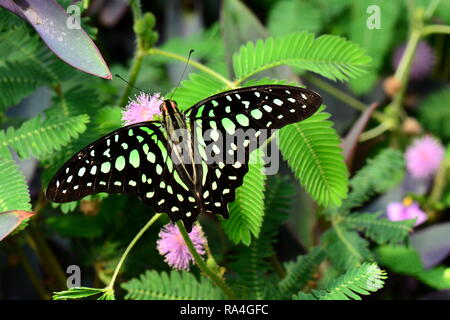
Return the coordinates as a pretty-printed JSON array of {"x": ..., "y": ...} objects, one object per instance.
[{"x": 168, "y": 107}]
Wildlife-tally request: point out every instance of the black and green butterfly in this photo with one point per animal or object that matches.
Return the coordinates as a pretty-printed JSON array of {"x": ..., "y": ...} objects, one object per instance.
[{"x": 149, "y": 160}]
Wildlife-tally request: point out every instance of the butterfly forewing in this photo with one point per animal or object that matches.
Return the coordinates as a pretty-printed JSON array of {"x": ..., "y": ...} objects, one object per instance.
[
  {"x": 235, "y": 123},
  {"x": 131, "y": 160}
]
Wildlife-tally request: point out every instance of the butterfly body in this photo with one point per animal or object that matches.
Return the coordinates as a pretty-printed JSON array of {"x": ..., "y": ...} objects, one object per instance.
[{"x": 189, "y": 162}]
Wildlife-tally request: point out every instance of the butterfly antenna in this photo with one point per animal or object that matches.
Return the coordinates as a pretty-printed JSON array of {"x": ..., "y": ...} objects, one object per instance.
[
  {"x": 133, "y": 86},
  {"x": 182, "y": 74}
]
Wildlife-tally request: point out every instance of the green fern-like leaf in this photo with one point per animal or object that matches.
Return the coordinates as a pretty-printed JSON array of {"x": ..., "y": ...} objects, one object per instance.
[
  {"x": 73, "y": 102},
  {"x": 18, "y": 80},
  {"x": 299, "y": 272},
  {"x": 266, "y": 81},
  {"x": 198, "y": 87},
  {"x": 355, "y": 282},
  {"x": 380, "y": 230},
  {"x": 23, "y": 46},
  {"x": 380, "y": 174},
  {"x": 251, "y": 263},
  {"x": 312, "y": 150},
  {"x": 375, "y": 41},
  {"x": 289, "y": 16},
  {"x": 77, "y": 293},
  {"x": 26, "y": 64},
  {"x": 38, "y": 137},
  {"x": 174, "y": 286},
  {"x": 277, "y": 204},
  {"x": 434, "y": 113},
  {"x": 345, "y": 248},
  {"x": 247, "y": 211},
  {"x": 330, "y": 56},
  {"x": 14, "y": 193},
  {"x": 9, "y": 20},
  {"x": 17, "y": 44}
]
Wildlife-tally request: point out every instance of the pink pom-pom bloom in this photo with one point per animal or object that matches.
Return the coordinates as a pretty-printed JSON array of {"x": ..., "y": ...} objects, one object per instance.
[
  {"x": 424, "y": 157},
  {"x": 171, "y": 245},
  {"x": 144, "y": 108},
  {"x": 408, "y": 209}
]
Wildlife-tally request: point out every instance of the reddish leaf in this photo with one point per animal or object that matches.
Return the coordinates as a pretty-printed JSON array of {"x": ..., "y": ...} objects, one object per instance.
[
  {"x": 350, "y": 142},
  {"x": 10, "y": 220},
  {"x": 61, "y": 34}
]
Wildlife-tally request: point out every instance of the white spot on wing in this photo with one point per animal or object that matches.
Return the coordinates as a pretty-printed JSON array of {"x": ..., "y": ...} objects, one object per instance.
[
  {"x": 81, "y": 171},
  {"x": 278, "y": 102},
  {"x": 267, "y": 108}
]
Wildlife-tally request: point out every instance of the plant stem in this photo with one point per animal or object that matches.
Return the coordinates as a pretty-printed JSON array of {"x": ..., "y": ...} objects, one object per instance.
[
  {"x": 339, "y": 232},
  {"x": 440, "y": 181},
  {"x": 374, "y": 132},
  {"x": 39, "y": 244},
  {"x": 202, "y": 265},
  {"x": 229, "y": 84},
  {"x": 128, "y": 249},
  {"x": 278, "y": 266},
  {"x": 404, "y": 67},
  {"x": 37, "y": 283},
  {"x": 136, "y": 9},
  {"x": 431, "y": 8},
  {"x": 395, "y": 109},
  {"x": 139, "y": 54},
  {"x": 46, "y": 257},
  {"x": 435, "y": 28},
  {"x": 343, "y": 96}
]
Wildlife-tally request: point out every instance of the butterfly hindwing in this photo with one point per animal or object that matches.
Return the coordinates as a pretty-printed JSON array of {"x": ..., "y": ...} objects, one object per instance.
[
  {"x": 236, "y": 122},
  {"x": 131, "y": 160}
]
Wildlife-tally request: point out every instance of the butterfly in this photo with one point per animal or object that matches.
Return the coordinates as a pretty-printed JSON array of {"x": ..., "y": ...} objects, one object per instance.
[{"x": 188, "y": 162}]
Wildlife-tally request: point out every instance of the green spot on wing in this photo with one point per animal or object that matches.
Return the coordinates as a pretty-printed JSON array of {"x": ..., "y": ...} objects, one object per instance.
[
  {"x": 134, "y": 158},
  {"x": 120, "y": 163},
  {"x": 179, "y": 181},
  {"x": 229, "y": 125},
  {"x": 242, "y": 120},
  {"x": 106, "y": 166},
  {"x": 147, "y": 130},
  {"x": 257, "y": 114}
]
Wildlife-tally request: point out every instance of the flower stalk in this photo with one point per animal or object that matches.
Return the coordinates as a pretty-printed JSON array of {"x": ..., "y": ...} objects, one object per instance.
[
  {"x": 110, "y": 288},
  {"x": 216, "y": 278}
]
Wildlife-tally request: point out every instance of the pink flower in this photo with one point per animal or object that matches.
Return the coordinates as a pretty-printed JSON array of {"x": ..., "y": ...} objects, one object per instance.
[
  {"x": 171, "y": 245},
  {"x": 424, "y": 157},
  {"x": 408, "y": 209},
  {"x": 143, "y": 108},
  {"x": 423, "y": 62}
]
